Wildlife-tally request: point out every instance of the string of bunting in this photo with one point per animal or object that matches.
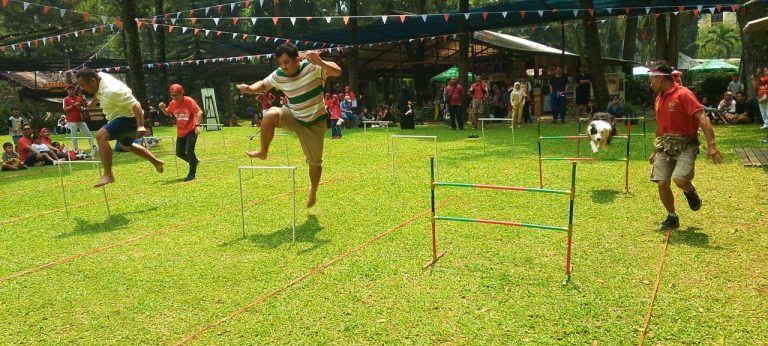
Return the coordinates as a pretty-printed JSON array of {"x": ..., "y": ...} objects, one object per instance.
[
  {"x": 243, "y": 36},
  {"x": 173, "y": 17},
  {"x": 95, "y": 56},
  {"x": 46, "y": 9},
  {"x": 55, "y": 38}
]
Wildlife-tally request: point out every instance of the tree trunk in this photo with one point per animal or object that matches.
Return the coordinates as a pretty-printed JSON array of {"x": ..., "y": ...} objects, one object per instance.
[
  {"x": 630, "y": 43},
  {"x": 136, "y": 70},
  {"x": 673, "y": 43},
  {"x": 352, "y": 51},
  {"x": 596, "y": 69},
  {"x": 661, "y": 38},
  {"x": 463, "y": 45},
  {"x": 161, "y": 56},
  {"x": 754, "y": 46}
]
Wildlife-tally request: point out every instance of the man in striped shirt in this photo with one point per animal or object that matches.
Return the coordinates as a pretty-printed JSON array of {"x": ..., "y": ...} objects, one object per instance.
[{"x": 303, "y": 82}]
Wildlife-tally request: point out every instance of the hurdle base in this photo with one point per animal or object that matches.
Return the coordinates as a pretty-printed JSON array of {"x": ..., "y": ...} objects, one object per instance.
[
  {"x": 433, "y": 261},
  {"x": 567, "y": 279}
]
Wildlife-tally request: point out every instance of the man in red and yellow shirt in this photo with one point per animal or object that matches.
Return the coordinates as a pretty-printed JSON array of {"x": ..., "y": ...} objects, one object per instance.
[
  {"x": 454, "y": 94},
  {"x": 679, "y": 116},
  {"x": 187, "y": 114},
  {"x": 479, "y": 92},
  {"x": 73, "y": 107}
]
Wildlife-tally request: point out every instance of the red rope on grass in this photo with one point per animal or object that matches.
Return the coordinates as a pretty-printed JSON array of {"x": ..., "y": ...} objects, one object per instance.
[{"x": 655, "y": 290}]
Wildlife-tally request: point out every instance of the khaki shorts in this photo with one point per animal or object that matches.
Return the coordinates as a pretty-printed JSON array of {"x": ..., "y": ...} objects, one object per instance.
[
  {"x": 311, "y": 137},
  {"x": 680, "y": 167},
  {"x": 478, "y": 106}
]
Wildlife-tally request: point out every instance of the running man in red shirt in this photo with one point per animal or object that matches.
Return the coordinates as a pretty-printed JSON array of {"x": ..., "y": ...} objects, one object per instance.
[
  {"x": 187, "y": 114},
  {"x": 679, "y": 116}
]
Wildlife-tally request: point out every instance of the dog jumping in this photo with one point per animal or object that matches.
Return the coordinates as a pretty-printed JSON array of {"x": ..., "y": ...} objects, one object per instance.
[{"x": 601, "y": 131}]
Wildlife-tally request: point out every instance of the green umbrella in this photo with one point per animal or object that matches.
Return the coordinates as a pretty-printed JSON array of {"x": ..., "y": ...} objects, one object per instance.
[
  {"x": 715, "y": 65},
  {"x": 451, "y": 72}
]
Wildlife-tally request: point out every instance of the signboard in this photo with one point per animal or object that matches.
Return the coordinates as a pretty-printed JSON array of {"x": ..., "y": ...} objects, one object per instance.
[
  {"x": 210, "y": 111},
  {"x": 55, "y": 85}
]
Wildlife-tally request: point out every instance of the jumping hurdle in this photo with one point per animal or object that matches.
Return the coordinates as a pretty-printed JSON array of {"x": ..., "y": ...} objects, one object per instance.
[
  {"x": 511, "y": 123},
  {"x": 569, "y": 229},
  {"x": 170, "y": 139},
  {"x": 293, "y": 193},
  {"x": 73, "y": 138},
  {"x": 382, "y": 123},
  {"x": 578, "y": 138},
  {"x": 628, "y": 119},
  {"x": 220, "y": 128},
  {"x": 252, "y": 137},
  {"x": 64, "y": 191},
  {"x": 391, "y": 146}
]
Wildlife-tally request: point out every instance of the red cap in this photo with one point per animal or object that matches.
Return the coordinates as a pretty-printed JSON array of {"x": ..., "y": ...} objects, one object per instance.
[
  {"x": 43, "y": 131},
  {"x": 176, "y": 88},
  {"x": 70, "y": 86}
]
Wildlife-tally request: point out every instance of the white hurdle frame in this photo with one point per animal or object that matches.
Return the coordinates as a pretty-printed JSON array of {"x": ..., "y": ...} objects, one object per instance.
[
  {"x": 253, "y": 137},
  {"x": 64, "y": 192},
  {"x": 72, "y": 139},
  {"x": 206, "y": 126},
  {"x": 391, "y": 146},
  {"x": 293, "y": 192},
  {"x": 173, "y": 151},
  {"x": 512, "y": 127}
]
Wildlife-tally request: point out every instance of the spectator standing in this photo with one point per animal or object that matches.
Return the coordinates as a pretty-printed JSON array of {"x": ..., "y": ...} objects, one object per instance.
[
  {"x": 73, "y": 108},
  {"x": 518, "y": 100},
  {"x": 479, "y": 92},
  {"x": 337, "y": 117},
  {"x": 265, "y": 100},
  {"x": 557, "y": 85},
  {"x": 735, "y": 86},
  {"x": 15, "y": 123},
  {"x": 188, "y": 115},
  {"x": 125, "y": 119},
  {"x": 760, "y": 79},
  {"x": 453, "y": 96},
  {"x": 679, "y": 116},
  {"x": 583, "y": 90}
]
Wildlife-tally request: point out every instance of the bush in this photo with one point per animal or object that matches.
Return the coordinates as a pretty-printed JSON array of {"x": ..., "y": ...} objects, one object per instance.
[
  {"x": 713, "y": 87},
  {"x": 637, "y": 92}
]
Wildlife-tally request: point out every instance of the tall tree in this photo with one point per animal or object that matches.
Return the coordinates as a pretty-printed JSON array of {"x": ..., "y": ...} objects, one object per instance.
[
  {"x": 673, "y": 43},
  {"x": 161, "y": 53},
  {"x": 630, "y": 42},
  {"x": 596, "y": 69},
  {"x": 136, "y": 71},
  {"x": 352, "y": 66},
  {"x": 463, "y": 44},
  {"x": 661, "y": 38},
  {"x": 720, "y": 40}
]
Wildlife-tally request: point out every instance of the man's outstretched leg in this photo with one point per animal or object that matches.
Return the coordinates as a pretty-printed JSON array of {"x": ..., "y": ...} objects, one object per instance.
[
  {"x": 314, "y": 178},
  {"x": 102, "y": 139},
  {"x": 268, "y": 125},
  {"x": 142, "y": 152}
]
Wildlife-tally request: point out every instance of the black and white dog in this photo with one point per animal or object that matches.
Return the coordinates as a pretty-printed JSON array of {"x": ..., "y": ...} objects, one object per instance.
[{"x": 601, "y": 130}]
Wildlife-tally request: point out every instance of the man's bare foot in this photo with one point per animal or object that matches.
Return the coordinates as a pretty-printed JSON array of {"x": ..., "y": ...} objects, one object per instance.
[
  {"x": 105, "y": 179},
  {"x": 312, "y": 199},
  {"x": 257, "y": 154},
  {"x": 159, "y": 166}
]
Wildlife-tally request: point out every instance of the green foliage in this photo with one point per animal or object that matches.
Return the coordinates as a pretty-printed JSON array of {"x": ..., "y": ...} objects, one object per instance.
[
  {"x": 713, "y": 86},
  {"x": 719, "y": 41},
  {"x": 637, "y": 92}
]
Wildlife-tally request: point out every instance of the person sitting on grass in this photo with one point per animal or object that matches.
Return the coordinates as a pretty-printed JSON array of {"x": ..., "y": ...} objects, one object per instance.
[
  {"x": 743, "y": 111},
  {"x": 11, "y": 160},
  {"x": 42, "y": 149}
]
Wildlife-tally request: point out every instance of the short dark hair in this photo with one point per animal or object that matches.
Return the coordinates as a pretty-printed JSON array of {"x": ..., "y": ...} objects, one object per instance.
[
  {"x": 7, "y": 144},
  {"x": 740, "y": 93},
  {"x": 36, "y": 137},
  {"x": 288, "y": 49},
  {"x": 664, "y": 68},
  {"x": 14, "y": 109},
  {"x": 86, "y": 73}
]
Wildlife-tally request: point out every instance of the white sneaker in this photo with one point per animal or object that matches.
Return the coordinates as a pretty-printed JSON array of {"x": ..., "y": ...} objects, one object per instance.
[{"x": 764, "y": 127}]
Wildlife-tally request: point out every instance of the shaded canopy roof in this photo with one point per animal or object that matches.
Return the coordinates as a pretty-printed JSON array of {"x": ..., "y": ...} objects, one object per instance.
[
  {"x": 436, "y": 25},
  {"x": 715, "y": 65}
]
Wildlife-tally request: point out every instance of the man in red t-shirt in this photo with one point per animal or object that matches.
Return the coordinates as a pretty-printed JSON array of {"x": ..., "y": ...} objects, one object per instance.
[
  {"x": 187, "y": 114},
  {"x": 73, "y": 107},
  {"x": 27, "y": 153},
  {"x": 679, "y": 115},
  {"x": 479, "y": 92},
  {"x": 454, "y": 93}
]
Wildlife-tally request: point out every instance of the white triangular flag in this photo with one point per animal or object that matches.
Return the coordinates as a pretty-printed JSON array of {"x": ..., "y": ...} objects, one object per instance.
[
  {"x": 178, "y": 14},
  {"x": 103, "y": 19},
  {"x": 293, "y": 20},
  {"x": 58, "y": 38},
  {"x": 26, "y": 5},
  {"x": 232, "y": 7},
  {"x": 184, "y": 29},
  {"x": 576, "y": 12},
  {"x": 261, "y": 3},
  {"x": 647, "y": 10},
  {"x": 234, "y": 35},
  {"x": 541, "y": 13},
  {"x": 92, "y": 31},
  {"x": 676, "y": 12},
  {"x": 504, "y": 14},
  {"x": 154, "y": 26},
  {"x": 77, "y": 34},
  {"x": 207, "y": 32},
  {"x": 610, "y": 10},
  {"x": 712, "y": 10},
  {"x": 44, "y": 44},
  {"x": 61, "y": 12},
  {"x": 112, "y": 27},
  {"x": 173, "y": 21},
  {"x": 424, "y": 18},
  {"x": 13, "y": 46},
  {"x": 466, "y": 15},
  {"x": 699, "y": 7},
  {"x": 206, "y": 10},
  {"x": 253, "y": 20},
  {"x": 216, "y": 20},
  {"x": 384, "y": 19}
]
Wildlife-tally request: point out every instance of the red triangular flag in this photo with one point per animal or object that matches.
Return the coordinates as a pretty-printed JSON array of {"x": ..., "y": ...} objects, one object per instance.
[
  {"x": 554, "y": 10},
  {"x": 627, "y": 10},
  {"x": 591, "y": 12},
  {"x": 346, "y": 19},
  {"x": 734, "y": 7},
  {"x": 485, "y": 15},
  {"x": 191, "y": 13},
  {"x": 274, "y": 20},
  {"x": 696, "y": 12},
  {"x": 234, "y": 20},
  {"x": 245, "y": 37},
  {"x": 196, "y": 31},
  {"x": 5, "y": 3},
  {"x": 402, "y": 18},
  {"x": 247, "y": 3},
  {"x": 218, "y": 33},
  {"x": 719, "y": 7},
  {"x": 309, "y": 19},
  {"x": 522, "y": 14},
  {"x": 170, "y": 28},
  {"x": 219, "y": 8},
  {"x": 165, "y": 18},
  {"x": 85, "y": 16},
  {"x": 656, "y": 15},
  {"x": 35, "y": 43},
  {"x": 445, "y": 15},
  {"x": 681, "y": 8},
  {"x": 194, "y": 20},
  {"x": 139, "y": 23},
  {"x": 46, "y": 8},
  {"x": 118, "y": 23}
]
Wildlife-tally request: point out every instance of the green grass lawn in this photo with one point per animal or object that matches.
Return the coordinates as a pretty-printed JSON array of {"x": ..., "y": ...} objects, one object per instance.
[{"x": 171, "y": 266}]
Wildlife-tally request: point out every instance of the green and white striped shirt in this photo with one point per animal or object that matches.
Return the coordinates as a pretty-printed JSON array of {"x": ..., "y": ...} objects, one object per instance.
[{"x": 304, "y": 91}]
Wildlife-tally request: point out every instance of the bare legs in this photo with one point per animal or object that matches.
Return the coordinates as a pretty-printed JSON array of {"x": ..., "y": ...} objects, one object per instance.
[
  {"x": 665, "y": 192},
  {"x": 268, "y": 125},
  {"x": 102, "y": 139}
]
